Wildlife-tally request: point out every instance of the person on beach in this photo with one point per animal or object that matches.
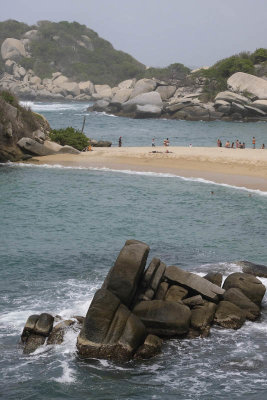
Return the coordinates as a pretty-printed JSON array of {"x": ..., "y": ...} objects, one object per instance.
[
  {"x": 263, "y": 146},
  {"x": 244, "y": 145},
  {"x": 153, "y": 142},
  {"x": 218, "y": 143},
  {"x": 227, "y": 144},
  {"x": 120, "y": 141},
  {"x": 237, "y": 144},
  {"x": 253, "y": 142},
  {"x": 233, "y": 145},
  {"x": 166, "y": 142}
]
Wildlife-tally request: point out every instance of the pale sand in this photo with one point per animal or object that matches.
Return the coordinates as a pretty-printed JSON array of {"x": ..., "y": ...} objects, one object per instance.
[{"x": 238, "y": 167}]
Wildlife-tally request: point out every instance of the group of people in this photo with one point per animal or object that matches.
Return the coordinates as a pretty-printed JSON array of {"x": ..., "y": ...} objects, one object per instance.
[{"x": 238, "y": 145}]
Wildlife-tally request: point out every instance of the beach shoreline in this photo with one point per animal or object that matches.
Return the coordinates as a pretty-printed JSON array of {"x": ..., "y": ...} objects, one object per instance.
[{"x": 236, "y": 167}]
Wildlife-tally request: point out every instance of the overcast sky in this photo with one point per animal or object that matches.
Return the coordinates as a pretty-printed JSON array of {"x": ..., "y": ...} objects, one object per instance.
[{"x": 159, "y": 32}]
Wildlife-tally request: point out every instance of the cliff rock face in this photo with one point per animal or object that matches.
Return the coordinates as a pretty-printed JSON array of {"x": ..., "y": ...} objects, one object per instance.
[{"x": 17, "y": 122}]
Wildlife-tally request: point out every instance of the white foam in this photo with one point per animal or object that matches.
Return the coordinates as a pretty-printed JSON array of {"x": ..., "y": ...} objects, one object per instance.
[
  {"x": 54, "y": 106},
  {"x": 68, "y": 375},
  {"x": 141, "y": 173}
]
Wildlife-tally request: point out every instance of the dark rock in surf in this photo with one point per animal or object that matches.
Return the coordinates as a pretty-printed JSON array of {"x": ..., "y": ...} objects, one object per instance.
[
  {"x": 253, "y": 269},
  {"x": 248, "y": 284},
  {"x": 203, "y": 315},
  {"x": 250, "y": 309},
  {"x": 57, "y": 334},
  {"x": 110, "y": 330},
  {"x": 35, "y": 331},
  {"x": 151, "y": 347},
  {"x": 229, "y": 316}
]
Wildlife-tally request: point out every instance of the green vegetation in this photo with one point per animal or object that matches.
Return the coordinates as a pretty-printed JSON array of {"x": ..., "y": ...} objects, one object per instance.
[
  {"x": 71, "y": 137},
  {"x": 9, "y": 98},
  {"x": 172, "y": 72},
  {"x": 259, "y": 56}
]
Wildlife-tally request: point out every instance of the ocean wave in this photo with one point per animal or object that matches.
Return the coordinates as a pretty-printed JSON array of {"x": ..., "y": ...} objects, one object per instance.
[
  {"x": 140, "y": 173},
  {"x": 36, "y": 106}
]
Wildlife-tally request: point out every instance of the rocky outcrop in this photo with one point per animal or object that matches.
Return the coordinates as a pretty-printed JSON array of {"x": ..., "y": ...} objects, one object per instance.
[
  {"x": 45, "y": 148},
  {"x": 248, "y": 284},
  {"x": 12, "y": 49},
  {"x": 253, "y": 269},
  {"x": 242, "y": 82},
  {"x": 137, "y": 306},
  {"x": 35, "y": 332},
  {"x": 18, "y": 123}
]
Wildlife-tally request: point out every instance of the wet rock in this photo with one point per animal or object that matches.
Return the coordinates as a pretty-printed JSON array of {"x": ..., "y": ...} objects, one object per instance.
[
  {"x": 29, "y": 327},
  {"x": 248, "y": 284},
  {"x": 162, "y": 290},
  {"x": 193, "y": 301},
  {"x": 149, "y": 273},
  {"x": 253, "y": 269},
  {"x": 34, "y": 341},
  {"x": 110, "y": 330},
  {"x": 193, "y": 282},
  {"x": 164, "y": 318},
  {"x": 214, "y": 277},
  {"x": 151, "y": 347},
  {"x": 235, "y": 296},
  {"x": 79, "y": 318},
  {"x": 44, "y": 324},
  {"x": 157, "y": 277},
  {"x": 229, "y": 316},
  {"x": 176, "y": 293},
  {"x": 203, "y": 315},
  {"x": 57, "y": 334},
  {"x": 124, "y": 276}
]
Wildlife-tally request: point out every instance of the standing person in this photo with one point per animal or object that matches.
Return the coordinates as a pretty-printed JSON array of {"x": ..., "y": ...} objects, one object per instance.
[
  {"x": 237, "y": 144},
  {"x": 233, "y": 145},
  {"x": 218, "y": 143},
  {"x": 120, "y": 141},
  {"x": 153, "y": 142},
  {"x": 167, "y": 142},
  {"x": 263, "y": 146},
  {"x": 253, "y": 142}
]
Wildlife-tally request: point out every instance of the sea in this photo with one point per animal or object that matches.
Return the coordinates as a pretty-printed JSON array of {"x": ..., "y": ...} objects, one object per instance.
[{"x": 61, "y": 230}]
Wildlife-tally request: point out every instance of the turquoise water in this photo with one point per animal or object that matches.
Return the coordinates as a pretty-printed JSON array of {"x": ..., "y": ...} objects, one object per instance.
[{"x": 62, "y": 229}]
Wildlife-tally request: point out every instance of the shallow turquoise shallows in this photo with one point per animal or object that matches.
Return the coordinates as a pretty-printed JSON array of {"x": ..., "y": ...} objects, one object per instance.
[{"x": 61, "y": 230}]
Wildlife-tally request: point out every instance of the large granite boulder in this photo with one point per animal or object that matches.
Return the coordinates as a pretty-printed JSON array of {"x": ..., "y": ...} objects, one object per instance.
[
  {"x": 128, "y": 84},
  {"x": 148, "y": 111},
  {"x": 110, "y": 330},
  {"x": 253, "y": 269},
  {"x": 250, "y": 309},
  {"x": 12, "y": 49},
  {"x": 230, "y": 97},
  {"x": 143, "y": 86},
  {"x": 261, "y": 104},
  {"x": 194, "y": 283},
  {"x": 166, "y": 92},
  {"x": 121, "y": 96},
  {"x": 228, "y": 315},
  {"x": 151, "y": 98},
  {"x": 71, "y": 88},
  {"x": 86, "y": 87},
  {"x": 242, "y": 82},
  {"x": 151, "y": 280},
  {"x": 248, "y": 284},
  {"x": 123, "y": 278},
  {"x": 164, "y": 318},
  {"x": 34, "y": 147},
  {"x": 103, "y": 91}
]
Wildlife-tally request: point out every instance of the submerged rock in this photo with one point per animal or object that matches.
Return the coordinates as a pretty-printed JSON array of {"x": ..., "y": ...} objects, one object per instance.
[
  {"x": 253, "y": 269},
  {"x": 151, "y": 347}
]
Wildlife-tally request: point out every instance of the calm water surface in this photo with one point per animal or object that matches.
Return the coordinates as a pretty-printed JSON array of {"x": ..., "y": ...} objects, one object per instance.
[{"x": 61, "y": 230}]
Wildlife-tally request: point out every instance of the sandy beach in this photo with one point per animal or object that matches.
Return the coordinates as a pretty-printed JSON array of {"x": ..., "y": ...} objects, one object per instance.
[{"x": 238, "y": 167}]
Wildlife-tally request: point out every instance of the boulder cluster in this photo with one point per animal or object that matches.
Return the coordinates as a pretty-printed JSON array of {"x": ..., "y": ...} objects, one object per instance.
[
  {"x": 151, "y": 98},
  {"x": 246, "y": 98},
  {"x": 137, "y": 308}
]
